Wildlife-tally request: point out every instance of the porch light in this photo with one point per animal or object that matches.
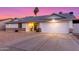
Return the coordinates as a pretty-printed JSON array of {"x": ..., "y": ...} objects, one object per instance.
[
  {"x": 53, "y": 20},
  {"x": 30, "y": 25}
]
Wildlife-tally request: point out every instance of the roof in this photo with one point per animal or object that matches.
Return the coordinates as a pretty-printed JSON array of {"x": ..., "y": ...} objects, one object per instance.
[
  {"x": 67, "y": 16},
  {"x": 6, "y": 19},
  {"x": 44, "y": 18}
]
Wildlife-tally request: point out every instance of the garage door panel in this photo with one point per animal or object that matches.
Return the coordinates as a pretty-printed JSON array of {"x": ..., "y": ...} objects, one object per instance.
[{"x": 55, "y": 27}]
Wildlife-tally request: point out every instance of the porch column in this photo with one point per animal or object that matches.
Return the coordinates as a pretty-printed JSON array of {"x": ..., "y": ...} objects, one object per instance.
[{"x": 70, "y": 26}]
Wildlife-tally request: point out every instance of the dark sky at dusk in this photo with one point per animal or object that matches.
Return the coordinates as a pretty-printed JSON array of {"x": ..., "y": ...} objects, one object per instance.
[{"x": 12, "y": 12}]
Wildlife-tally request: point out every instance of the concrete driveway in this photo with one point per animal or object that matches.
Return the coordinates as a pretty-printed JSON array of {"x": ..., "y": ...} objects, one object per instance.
[{"x": 38, "y": 42}]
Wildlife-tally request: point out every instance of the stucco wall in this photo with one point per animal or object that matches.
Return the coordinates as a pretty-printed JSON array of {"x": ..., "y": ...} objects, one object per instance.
[
  {"x": 24, "y": 25},
  {"x": 15, "y": 25},
  {"x": 11, "y": 25}
]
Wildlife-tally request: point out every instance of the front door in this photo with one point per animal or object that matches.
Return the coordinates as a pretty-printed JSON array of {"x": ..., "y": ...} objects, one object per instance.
[
  {"x": 36, "y": 26},
  {"x": 33, "y": 26}
]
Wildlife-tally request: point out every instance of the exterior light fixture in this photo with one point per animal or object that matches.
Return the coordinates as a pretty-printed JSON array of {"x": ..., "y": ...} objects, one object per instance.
[
  {"x": 53, "y": 20},
  {"x": 30, "y": 25}
]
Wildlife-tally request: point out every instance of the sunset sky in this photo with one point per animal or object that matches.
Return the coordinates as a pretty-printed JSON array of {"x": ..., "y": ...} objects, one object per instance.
[{"x": 12, "y": 12}]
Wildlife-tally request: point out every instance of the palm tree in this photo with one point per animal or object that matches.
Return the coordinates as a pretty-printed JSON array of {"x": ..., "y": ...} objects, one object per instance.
[{"x": 36, "y": 10}]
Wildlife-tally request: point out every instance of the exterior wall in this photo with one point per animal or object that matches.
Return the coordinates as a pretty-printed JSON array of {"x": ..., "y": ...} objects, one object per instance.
[
  {"x": 2, "y": 24},
  {"x": 59, "y": 27},
  {"x": 11, "y": 25},
  {"x": 25, "y": 26},
  {"x": 71, "y": 24},
  {"x": 76, "y": 28},
  {"x": 15, "y": 26}
]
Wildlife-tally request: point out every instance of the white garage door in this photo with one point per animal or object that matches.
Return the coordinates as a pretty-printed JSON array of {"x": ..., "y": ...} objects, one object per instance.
[{"x": 55, "y": 27}]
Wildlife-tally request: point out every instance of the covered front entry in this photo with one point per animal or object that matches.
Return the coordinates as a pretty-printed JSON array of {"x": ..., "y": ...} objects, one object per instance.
[{"x": 33, "y": 26}]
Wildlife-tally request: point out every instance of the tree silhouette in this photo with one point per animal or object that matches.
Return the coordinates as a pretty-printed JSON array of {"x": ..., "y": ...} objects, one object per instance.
[{"x": 36, "y": 10}]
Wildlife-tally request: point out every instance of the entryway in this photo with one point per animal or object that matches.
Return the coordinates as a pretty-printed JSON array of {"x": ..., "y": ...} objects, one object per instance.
[{"x": 33, "y": 27}]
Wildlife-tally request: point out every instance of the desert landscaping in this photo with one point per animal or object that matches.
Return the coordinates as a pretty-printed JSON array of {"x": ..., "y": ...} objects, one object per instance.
[{"x": 35, "y": 41}]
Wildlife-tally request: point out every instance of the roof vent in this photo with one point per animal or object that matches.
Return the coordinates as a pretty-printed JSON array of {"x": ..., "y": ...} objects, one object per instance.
[{"x": 70, "y": 12}]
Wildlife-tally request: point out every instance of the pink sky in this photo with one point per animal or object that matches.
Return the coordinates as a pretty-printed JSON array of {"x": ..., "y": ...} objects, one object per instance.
[{"x": 12, "y": 12}]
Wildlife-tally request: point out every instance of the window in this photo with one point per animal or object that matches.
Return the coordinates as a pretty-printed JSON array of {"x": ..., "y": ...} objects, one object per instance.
[{"x": 20, "y": 25}]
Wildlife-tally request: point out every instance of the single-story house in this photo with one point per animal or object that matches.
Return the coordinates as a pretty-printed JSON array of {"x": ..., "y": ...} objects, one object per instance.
[{"x": 54, "y": 23}]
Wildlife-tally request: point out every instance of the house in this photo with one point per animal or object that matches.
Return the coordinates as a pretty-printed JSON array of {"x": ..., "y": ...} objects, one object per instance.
[
  {"x": 54, "y": 23},
  {"x": 3, "y": 23}
]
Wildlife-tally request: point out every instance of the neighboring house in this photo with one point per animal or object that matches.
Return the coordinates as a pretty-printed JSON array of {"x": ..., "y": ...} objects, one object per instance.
[
  {"x": 3, "y": 23},
  {"x": 54, "y": 23}
]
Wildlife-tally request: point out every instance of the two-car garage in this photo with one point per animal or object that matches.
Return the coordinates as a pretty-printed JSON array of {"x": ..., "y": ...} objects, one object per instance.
[{"x": 60, "y": 27}]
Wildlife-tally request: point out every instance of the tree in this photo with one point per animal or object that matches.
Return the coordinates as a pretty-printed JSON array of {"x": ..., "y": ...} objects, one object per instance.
[{"x": 36, "y": 10}]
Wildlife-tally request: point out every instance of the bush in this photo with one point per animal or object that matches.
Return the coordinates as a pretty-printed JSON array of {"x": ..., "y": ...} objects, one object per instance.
[
  {"x": 16, "y": 30},
  {"x": 38, "y": 30}
]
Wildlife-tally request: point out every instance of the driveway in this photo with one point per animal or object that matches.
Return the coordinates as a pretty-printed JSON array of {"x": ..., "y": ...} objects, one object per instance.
[{"x": 38, "y": 42}]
